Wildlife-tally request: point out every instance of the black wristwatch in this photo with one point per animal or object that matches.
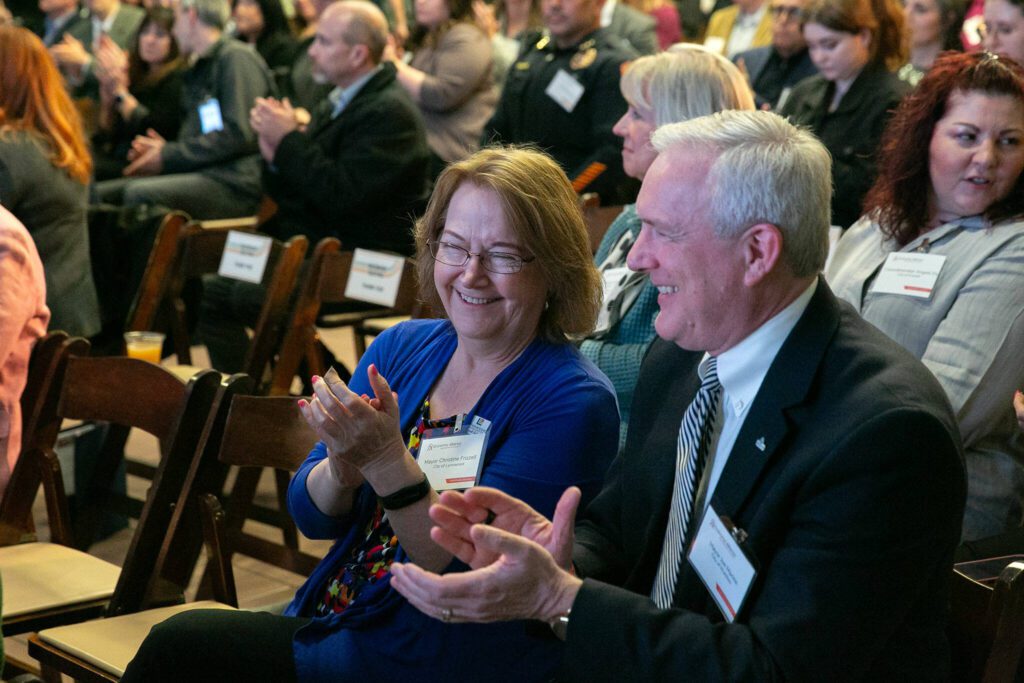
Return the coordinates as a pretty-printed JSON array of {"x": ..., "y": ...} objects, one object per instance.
[{"x": 405, "y": 497}]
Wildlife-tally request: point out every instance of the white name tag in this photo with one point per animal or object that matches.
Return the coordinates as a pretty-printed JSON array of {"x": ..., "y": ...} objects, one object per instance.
[
  {"x": 721, "y": 564},
  {"x": 715, "y": 44},
  {"x": 452, "y": 462},
  {"x": 210, "y": 119},
  {"x": 374, "y": 277},
  {"x": 565, "y": 90},
  {"x": 911, "y": 274},
  {"x": 245, "y": 256}
]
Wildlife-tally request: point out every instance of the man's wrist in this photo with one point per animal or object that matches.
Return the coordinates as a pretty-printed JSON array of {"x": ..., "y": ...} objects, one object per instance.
[{"x": 562, "y": 608}]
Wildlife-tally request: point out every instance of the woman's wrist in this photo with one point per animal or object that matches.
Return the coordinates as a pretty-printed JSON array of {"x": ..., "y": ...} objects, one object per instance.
[{"x": 393, "y": 470}]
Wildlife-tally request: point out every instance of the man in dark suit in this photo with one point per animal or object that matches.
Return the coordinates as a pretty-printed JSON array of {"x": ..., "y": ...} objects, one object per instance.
[
  {"x": 59, "y": 17},
  {"x": 831, "y": 495},
  {"x": 773, "y": 70},
  {"x": 358, "y": 172},
  {"x": 106, "y": 19}
]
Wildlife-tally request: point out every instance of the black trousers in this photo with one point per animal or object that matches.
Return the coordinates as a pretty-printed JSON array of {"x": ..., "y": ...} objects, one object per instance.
[{"x": 217, "y": 646}]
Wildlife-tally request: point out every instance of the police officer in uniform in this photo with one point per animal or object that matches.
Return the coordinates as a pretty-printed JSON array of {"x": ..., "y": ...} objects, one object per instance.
[{"x": 563, "y": 95}]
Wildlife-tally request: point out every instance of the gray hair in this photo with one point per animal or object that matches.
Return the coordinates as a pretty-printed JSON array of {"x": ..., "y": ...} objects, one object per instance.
[
  {"x": 685, "y": 82},
  {"x": 212, "y": 13},
  {"x": 765, "y": 170}
]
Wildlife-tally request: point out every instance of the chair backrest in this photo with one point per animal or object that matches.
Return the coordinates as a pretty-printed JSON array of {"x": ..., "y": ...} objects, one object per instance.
[
  {"x": 168, "y": 538},
  {"x": 987, "y": 625},
  {"x": 261, "y": 432},
  {"x": 185, "y": 251},
  {"x": 597, "y": 218},
  {"x": 40, "y": 425}
]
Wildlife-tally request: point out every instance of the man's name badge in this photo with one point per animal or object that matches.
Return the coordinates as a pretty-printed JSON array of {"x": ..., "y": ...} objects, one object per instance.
[
  {"x": 454, "y": 460},
  {"x": 565, "y": 90},
  {"x": 722, "y": 563},
  {"x": 210, "y": 119},
  {"x": 910, "y": 274},
  {"x": 245, "y": 256}
]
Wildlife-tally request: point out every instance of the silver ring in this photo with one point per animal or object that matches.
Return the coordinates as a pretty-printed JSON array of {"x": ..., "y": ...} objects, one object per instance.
[{"x": 446, "y": 615}]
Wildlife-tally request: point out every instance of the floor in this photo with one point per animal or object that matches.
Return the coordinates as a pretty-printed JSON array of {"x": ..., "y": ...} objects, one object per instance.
[{"x": 258, "y": 584}]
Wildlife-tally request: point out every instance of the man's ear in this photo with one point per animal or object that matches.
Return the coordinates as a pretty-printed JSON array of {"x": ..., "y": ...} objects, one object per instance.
[
  {"x": 360, "y": 54},
  {"x": 762, "y": 251}
]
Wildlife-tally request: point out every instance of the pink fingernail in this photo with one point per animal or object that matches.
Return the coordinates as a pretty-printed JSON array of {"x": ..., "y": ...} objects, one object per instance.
[
  {"x": 303, "y": 403},
  {"x": 316, "y": 378}
]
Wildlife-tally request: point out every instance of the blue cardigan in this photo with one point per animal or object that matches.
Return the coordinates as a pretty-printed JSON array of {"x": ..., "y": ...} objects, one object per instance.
[{"x": 554, "y": 424}]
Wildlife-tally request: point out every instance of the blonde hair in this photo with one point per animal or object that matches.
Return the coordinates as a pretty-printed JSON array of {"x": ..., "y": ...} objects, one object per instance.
[
  {"x": 686, "y": 82},
  {"x": 543, "y": 211}
]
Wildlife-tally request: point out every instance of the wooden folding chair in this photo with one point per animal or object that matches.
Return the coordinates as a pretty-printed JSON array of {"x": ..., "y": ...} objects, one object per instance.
[
  {"x": 597, "y": 218},
  {"x": 987, "y": 622},
  {"x": 260, "y": 432},
  {"x": 185, "y": 251},
  {"x": 40, "y": 425},
  {"x": 49, "y": 584}
]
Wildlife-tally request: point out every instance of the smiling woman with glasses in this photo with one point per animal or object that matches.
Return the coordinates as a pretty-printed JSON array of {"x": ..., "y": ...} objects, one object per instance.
[{"x": 494, "y": 394}]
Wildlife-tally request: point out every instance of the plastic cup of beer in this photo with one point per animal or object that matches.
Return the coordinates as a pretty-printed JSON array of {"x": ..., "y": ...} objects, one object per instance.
[{"x": 144, "y": 345}]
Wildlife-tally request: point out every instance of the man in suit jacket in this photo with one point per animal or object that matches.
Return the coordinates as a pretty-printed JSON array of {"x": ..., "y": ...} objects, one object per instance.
[
  {"x": 73, "y": 53},
  {"x": 774, "y": 70},
  {"x": 358, "y": 172},
  {"x": 632, "y": 25},
  {"x": 833, "y": 453},
  {"x": 739, "y": 27},
  {"x": 59, "y": 17}
]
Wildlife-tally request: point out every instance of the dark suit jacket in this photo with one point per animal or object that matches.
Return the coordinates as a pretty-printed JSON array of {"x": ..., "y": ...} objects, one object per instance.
[
  {"x": 853, "y": 510},
  {"x": 72, "y": 22},
  {"x": 851, "y": 133},
  {"x": 634, "y": 27},
  {"x": 122, "y": 32},
  {"x": 358, "y": 177}
]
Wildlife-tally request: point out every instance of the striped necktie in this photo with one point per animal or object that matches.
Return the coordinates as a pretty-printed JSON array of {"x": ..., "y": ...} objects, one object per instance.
[{"x": 691, "y": 455}]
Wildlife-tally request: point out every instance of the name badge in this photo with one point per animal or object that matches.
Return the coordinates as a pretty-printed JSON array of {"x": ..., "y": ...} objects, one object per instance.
[
  {"x": 374, "y": 277},
  {"x": 245, "y": 256},
  {"x": 210, "y": 119},
  {"x": 721, "y": 563},
  {"x": 565, "y": 90},
  {"x": 454, "y": 460},
  {"x": 910, "y": 274}
]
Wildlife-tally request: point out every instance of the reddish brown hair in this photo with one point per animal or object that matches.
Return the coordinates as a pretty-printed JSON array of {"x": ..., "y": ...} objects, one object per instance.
[
  {"x": 33, "y": 98},
  {"x": 899, "y": 198}
]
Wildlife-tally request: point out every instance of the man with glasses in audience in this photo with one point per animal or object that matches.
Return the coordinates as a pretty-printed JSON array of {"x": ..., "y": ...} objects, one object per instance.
[{"x": 773, "y": 70}]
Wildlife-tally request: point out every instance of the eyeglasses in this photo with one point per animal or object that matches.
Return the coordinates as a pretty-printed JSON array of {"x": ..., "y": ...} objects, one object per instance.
[
  {"x": 783, "y": 12},
  {"x": 493, "y": 261}
]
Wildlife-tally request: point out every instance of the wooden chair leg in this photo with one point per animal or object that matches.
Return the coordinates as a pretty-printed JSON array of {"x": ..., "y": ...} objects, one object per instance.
[{"x": 288, "y": 530}]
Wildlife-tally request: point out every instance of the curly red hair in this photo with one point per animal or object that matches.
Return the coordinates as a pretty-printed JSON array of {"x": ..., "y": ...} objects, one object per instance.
[
  {"x": 899, "y": 199},
  {"x": 33, "y": 98}
]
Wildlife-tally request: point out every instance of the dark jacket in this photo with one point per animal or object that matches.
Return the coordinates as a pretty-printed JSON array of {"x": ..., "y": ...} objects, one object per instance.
[
  {"x": 847, "y": 477},
  {"x": 851, "y": 133},
  {"x": 359, "y": 177}
]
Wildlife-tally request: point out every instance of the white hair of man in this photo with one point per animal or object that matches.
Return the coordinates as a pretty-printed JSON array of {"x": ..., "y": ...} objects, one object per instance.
[
  {"x": 212, "y": 13},
  {"x": 685, "y": 82},
  {"x": 765, "y": 170}
]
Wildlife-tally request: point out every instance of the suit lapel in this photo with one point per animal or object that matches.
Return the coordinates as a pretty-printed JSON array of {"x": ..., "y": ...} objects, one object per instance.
[{"x": 771, "y": 415}]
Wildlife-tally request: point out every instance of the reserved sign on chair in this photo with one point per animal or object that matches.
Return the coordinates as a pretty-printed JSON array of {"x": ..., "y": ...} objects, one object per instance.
[{"x": 374, "y": 277}]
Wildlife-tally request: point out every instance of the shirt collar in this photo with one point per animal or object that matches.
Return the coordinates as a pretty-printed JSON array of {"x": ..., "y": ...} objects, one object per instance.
[
  {"x": 606, "y": 13},
  {"x": 742, "y": 368},
  {"x": 104, "y": 25},
  {"x": 340, "y": 97}
]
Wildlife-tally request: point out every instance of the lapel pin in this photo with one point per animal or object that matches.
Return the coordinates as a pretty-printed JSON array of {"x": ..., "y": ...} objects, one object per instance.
[{"x": 760, "y": 444}]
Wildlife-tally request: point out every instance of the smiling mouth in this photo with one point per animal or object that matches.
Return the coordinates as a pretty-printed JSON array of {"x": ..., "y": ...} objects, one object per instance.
[
  {"x": 474, "y": 300},
  {"x": 667, "y": 290},
  {"x": 978, "y": 181}
]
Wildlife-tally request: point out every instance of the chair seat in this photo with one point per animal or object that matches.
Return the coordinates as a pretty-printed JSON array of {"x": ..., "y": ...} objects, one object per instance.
[
  {"x": 375, "y": 326},
  {"x": 110, "y": 644},
  {"x": 40, "y": 576}
]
